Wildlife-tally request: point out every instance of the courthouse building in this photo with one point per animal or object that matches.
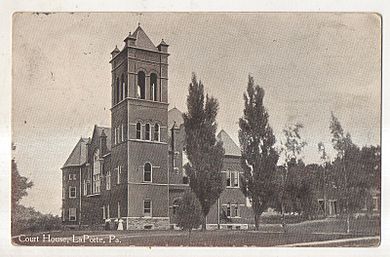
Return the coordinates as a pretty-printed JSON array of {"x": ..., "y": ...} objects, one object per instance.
[{"x": 133, "y": 170}]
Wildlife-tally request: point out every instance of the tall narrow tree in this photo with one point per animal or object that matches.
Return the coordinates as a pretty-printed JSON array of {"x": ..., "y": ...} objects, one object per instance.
[
  {"x": 291, "y": 147},
  {"x": 258, "y": 154},
  {"x": 347, "y": 165},
  {"x": 204, "y": 152},
  {"x": 325, "y": 166}
]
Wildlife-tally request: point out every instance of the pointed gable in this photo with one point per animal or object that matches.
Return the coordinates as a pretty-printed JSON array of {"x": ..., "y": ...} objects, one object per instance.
[
  {"x": 142, "y": 40},
  {"x": 79, "y": 154},
  {"x": 97, "y": 133},
  {"x": 230, "y": 147},
  {"x": 175, "y": 115}
]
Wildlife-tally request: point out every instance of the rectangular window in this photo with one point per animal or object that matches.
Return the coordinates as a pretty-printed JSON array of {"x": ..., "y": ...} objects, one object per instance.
[
  {"x": 85, "y": 192},
  {"x": 74, "y": 176},
  {"x": 232, "y": 210},
  {"x": 104, "y": 212},
  {"x": 228, "y": 210},
  {"x": 228, "y": 179},
  {"x": 108, "y": 180},
  {"x": 147, "y": 208},
  {"x": 108, "y": 211},
  {"x": 236, "y": 179},
  {"x": 175, "y": 158},
  {"x": 70, "y": 176},
  {"x": 232, "y": 179},
  {"x": 88, "y": 187},
  {"x": 118, "y": 175},
  {"x": 63, "y": 214},
  {"x": 115, "y": 142},
  {"x": 119, "y": 210},
  {"x": 96, "y": 184},
  {"x": 236, "y": 212},
  {"x": 72, "y": 214},
  {"x": 72, "y": 192},
  {"x": 122, "y": 135},
  {"x": 321, "y": 202},
  {"x": 375, "y": 203}
]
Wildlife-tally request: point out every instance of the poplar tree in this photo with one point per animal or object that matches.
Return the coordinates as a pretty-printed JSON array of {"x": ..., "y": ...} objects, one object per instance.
[
  {"x": 258, "y": 154},
  {"x": 204, "y": 152},
  {"x": 347, "y": 166}
]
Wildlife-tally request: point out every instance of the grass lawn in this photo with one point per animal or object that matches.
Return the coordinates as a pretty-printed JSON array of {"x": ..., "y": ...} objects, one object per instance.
[{"x": 269, "y": 235}]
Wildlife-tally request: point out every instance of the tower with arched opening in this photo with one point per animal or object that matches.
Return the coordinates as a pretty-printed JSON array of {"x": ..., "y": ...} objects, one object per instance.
[{"x": 139, "y": 145}]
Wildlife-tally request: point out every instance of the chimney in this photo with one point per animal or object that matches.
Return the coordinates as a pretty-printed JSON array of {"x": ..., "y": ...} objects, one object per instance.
[{"x": 103, "y": 143}]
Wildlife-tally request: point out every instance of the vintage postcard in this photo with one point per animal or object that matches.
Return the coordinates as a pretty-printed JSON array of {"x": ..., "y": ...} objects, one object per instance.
[{"x": 196, "y": 129}]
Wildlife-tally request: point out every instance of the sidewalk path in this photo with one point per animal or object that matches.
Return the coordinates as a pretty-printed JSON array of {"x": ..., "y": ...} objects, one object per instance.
[{"x": 340, "y": 242}]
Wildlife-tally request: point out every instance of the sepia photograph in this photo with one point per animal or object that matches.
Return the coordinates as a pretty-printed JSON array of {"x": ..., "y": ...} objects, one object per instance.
[{"x": 196, "y": 129}]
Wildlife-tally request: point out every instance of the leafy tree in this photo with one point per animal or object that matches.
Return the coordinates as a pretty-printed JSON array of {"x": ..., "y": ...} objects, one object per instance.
[
  {"x": 291, "y": 148},
  {"x": 370, "y": 160},
  {"x": 189, "y": 213},
  {"x": 349, "y": 175},
  {"x": 204, "y": 153},
  {"x": 258, "y": 154},
  {"x": 19, "y": 186}
]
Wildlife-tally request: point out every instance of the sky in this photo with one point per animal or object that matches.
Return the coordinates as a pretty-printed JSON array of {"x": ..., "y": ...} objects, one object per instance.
[{"x": 309, "y": 65}]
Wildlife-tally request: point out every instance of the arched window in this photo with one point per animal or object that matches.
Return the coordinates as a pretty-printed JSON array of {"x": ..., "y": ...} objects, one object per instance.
[
  {"x": 117, "y": 89},
  {"x": 148, "y": 172},
  {"x": 147, "y": 131},
  {"x": 153, "y": 87},
  {"x": 124, "y": 88},
  {"x": 141, "y": 85},
  {"x": 120, "y": 93},
  {"x": 138, "y": 130},
  {"x": 156, "y": 135}
]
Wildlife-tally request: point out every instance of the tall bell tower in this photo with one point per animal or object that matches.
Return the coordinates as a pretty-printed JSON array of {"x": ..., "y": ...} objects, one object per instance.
[{"x": 139, "y": 122}]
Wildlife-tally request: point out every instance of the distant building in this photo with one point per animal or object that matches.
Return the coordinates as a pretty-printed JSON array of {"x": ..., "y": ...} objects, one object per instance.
[{"x": 134, "y": 170}]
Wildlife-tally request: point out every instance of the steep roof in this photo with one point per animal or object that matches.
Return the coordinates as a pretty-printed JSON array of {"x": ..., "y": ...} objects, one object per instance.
[
  {"x": 230, "y": 147},
  {"x": 107, "y": 131},
  {"x": 79, "y": 154},
  {"x": 142, "y": 40},
  {"x": 175, "y": 115}
]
